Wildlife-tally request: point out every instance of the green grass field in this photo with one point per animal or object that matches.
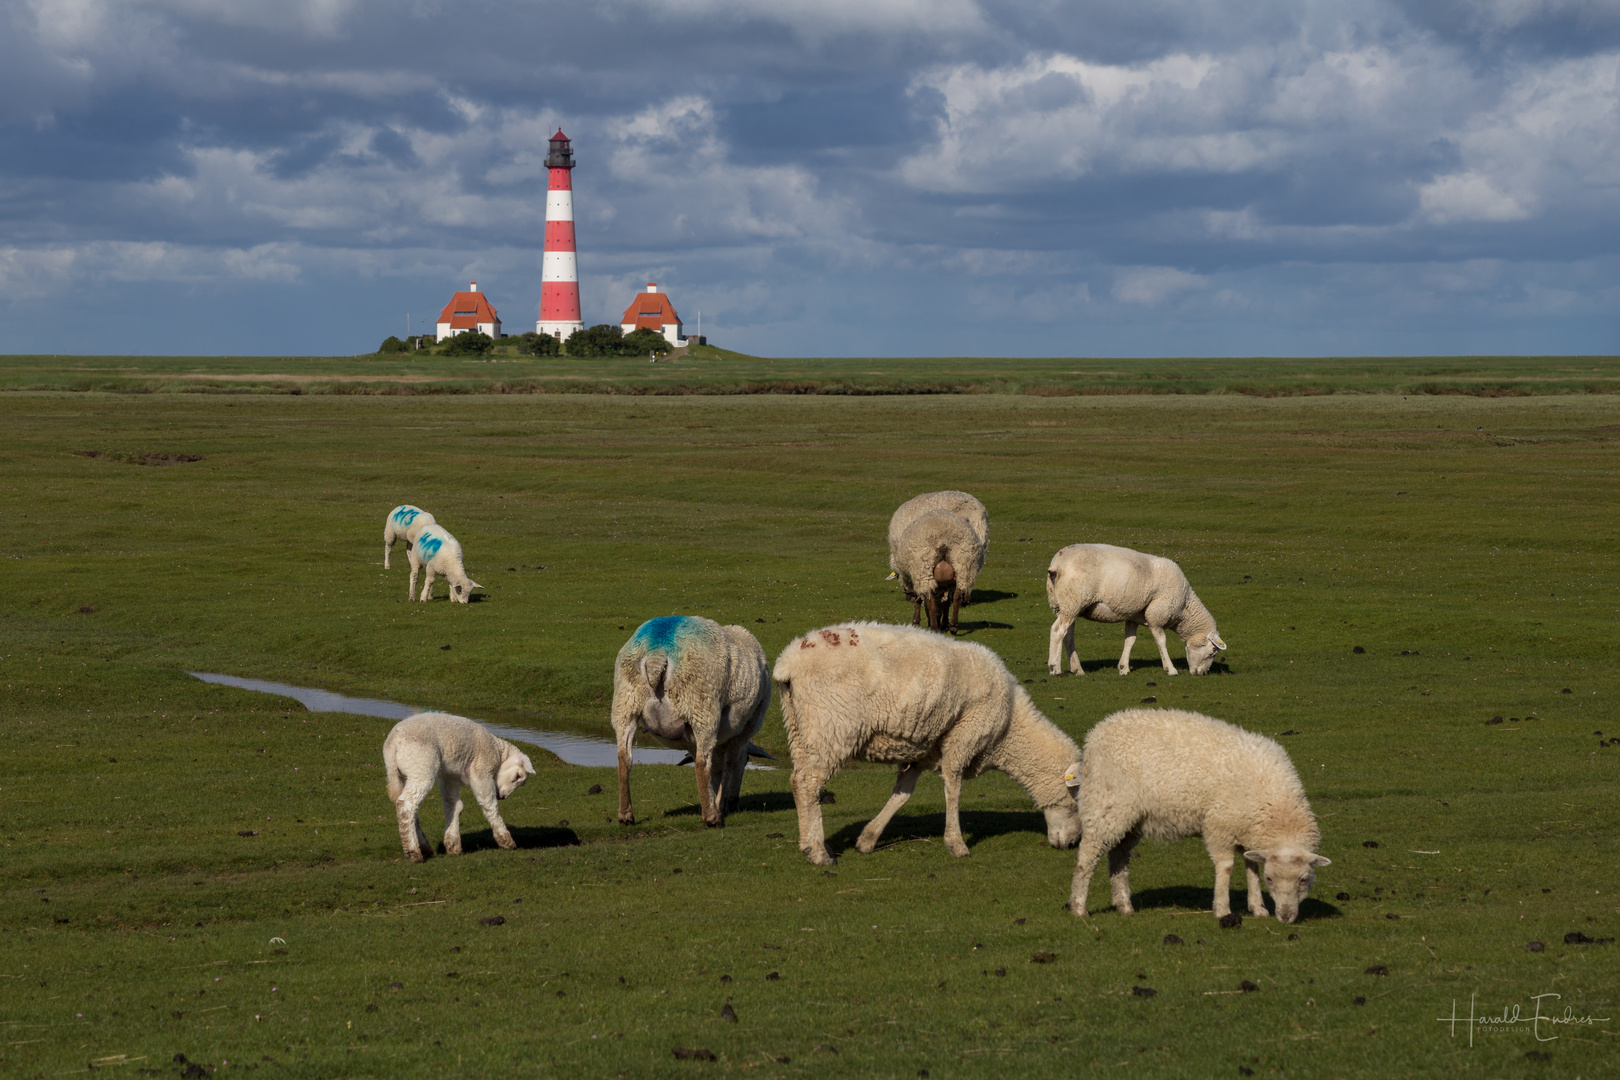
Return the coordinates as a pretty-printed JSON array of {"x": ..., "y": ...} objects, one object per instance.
[{"x": 1465, "y": 544}]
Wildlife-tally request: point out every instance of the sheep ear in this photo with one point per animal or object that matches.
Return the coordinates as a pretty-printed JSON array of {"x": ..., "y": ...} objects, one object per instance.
[
  {"x": 471, "y": 585},
  {"x": 1256, "y": 856},
  {"x": 1215, "y": 640},
  {"x": 1071, "y": 777},
  {"x": 1317, "y": 860}
]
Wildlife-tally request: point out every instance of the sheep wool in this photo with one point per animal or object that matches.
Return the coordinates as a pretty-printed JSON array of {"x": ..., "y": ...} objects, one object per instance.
[
  {"x": 403, "y": 523},
  {"x": 435, "y": 551},
  {"x": 1104, "y": 583},
  {"x": 454, "y": 752},
  {"x": 698, "y": 686},
  {"x": 1169, "y": 774},
  {"x": 901, "y": 695},
  {"x": 960, "y": 503},
  {"x": 938, "y": 558}
]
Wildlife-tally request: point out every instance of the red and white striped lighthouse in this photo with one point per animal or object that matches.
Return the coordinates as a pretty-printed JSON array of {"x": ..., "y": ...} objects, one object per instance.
[{"x": 559, "y": 271}]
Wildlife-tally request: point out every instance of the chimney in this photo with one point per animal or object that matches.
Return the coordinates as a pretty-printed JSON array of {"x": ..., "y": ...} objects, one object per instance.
[
  {"x": 652, "y": 286},
  {"x": 473, "y": 287}
]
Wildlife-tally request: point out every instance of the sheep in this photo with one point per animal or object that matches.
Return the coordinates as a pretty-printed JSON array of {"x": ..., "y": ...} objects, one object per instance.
[
  {"x": 695, "y": 685},
  {"x": 403, "y": 523},
  {"x": 454, "y": 751},
  {"x": 959, "y": 503},
  {"x": 437, "y": 552},
  {"x": 1104, "y": 583},
  {"x": 1169, "y": 774},
  {"x": 939, "y": 557},
  {"x": 901, "y": 695}
]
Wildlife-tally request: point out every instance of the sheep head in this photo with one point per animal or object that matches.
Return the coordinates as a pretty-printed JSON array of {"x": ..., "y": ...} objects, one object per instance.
[
  {"x": 515, "y": 769},
  {"x": 461, "y": 591},
  {"x": 1201, "y": 649},
  {"x": 1290, "y": 872}
]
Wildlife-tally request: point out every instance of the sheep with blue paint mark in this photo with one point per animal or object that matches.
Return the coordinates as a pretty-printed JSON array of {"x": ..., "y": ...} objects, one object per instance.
[
  {"x": 438, "y": 553},
  {"x": 696, "y": 685},
  {"x": 403, "y": 523}
]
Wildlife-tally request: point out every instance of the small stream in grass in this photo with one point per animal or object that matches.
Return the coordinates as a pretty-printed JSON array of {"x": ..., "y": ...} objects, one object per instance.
[{"x": 574, "y": 747}]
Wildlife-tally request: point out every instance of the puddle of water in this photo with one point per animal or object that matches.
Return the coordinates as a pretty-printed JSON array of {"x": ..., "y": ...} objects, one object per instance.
[{"x": 573, "y": 747}]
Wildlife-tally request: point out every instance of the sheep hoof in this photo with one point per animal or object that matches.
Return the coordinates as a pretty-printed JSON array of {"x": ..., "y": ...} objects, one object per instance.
[
  {"x": 718, "y": 822},
  {"x": 627, "y": 818},
  {"x": 866, "y": 844},
  {"x": 416, "y": 856},
  {"x": 452, "y": 847},
  {"x": 957, "y": 848},
  {"x": 820, "y": 857},
  {"x": 506, "y": 842}
]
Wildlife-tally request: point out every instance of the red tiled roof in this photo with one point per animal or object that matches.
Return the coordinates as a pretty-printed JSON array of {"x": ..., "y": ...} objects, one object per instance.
[
  {"x": 466, "y": 310},
  {"x": 651, "y": 310}
]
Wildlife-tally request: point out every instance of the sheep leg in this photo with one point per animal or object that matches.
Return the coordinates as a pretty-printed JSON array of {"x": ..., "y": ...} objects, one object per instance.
[
  {"x": 1223, "y": 883},
  {"x": 933, "y": 612},
  {"x": 705, "y": 765},
  {"x": 1091, "y": 850},
  {"x": 450, "y": 792},
  {"x": 411, "y": 837},
  {"x": 427, "y": 583},
  {"x": 1130, "y": 643},
  {"x": 1062, "y": 641},
  {"x": 410, "y": 589},
  {"x": 1164, "y": 650},
  {"x": 807, "y": 787},
  {"x": 904, "y": 784},
  {"x": 956, "y": 608},
  {"x": 626, "y": 741},
  {"x": 953, "y": 818},
  {"x": 916, "y": 610},
  {"x": 1119, "y": 872},
  {"x": 1257, "y": 902},
  {"x": 735, "y": 759},
  {"x": 490, "y": 803},
  {"x": 388, "y": 549}
]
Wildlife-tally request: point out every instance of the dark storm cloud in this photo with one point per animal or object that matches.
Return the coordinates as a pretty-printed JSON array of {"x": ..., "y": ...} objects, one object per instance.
[{"x": 1170, "y": 174}]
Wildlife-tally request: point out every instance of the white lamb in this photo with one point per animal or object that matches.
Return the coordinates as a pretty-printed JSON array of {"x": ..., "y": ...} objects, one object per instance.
[
  {"x": 698, "y": 686},
  {"x": 938, "y": 557},
  {"x": 1169, "y": 774},
  {"x": 403, "y": 523},
  {"x": 437, "y": 552},
  {"x": 904, "y": 696},
  {"x": 453, "y": 751},
  {"x": 959, "y": 503},
  {"x": 1104, "y": 583}
]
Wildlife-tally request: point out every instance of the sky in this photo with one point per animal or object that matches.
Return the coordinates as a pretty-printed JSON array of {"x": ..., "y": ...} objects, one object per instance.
[{"x": 1129, "y": 178}]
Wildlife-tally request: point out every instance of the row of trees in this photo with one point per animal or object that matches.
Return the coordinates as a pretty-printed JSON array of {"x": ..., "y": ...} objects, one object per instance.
[{"x": 601, "y": 340}]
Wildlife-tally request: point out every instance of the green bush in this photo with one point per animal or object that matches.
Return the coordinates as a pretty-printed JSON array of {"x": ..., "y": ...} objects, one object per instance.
[
  {"x": 639, "y": 342},
  {"x": 533, "y": 344},
  {"x": 391, "y": 344},
  {"x": 603, "y": 339},
  {"x": 470, "y": 343}
]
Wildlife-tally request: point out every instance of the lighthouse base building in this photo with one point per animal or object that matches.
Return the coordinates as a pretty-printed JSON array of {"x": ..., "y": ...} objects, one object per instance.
[{"x": 652, "y": 310}]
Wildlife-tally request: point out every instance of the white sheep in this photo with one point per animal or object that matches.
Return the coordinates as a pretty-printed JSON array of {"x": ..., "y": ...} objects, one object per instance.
[
  {"x": 403, "y": 523},
  {"x": 959, "y": 503},
  {"x": 437, "y": 552},
  {"x": 698, "y": 686},
  {"x": 1169, "y": 774},
  {"x": 1104, "y": 583},
  {"x": 453, "y": 751},
  {"x": 904, "y": 696},
  {"x": 938, "y": 557}
]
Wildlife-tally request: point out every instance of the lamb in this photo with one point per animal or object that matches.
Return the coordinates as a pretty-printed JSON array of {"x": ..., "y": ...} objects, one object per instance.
[
  {"x": 454, "y": 751},
  {"x": 695, "y": 685},
  {"x": 959, "y": 503},
  {"x": 1104, "y": 583},
  {"x": 900, "y": 695},
  {"x": 403, "y": 523},
  {"x": 938, "y": 559},
  {"x": 1169, "y": 774},
  {"x": 437, "y": 552}
]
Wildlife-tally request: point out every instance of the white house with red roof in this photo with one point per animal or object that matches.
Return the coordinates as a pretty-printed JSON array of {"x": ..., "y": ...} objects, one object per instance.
[
  {"x": 469, "y": 310},
  {"x": 652, "y": 310}
]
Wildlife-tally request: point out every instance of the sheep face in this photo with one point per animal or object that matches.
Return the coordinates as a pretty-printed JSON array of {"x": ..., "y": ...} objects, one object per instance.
[
  {"x": 461, "y": 591},
  {"x": 1290, "y": 872},
  {"x": 513, "y": 772},
  {"x": 1063, "y": 825},
  {"x": 1201, "y": 650}
]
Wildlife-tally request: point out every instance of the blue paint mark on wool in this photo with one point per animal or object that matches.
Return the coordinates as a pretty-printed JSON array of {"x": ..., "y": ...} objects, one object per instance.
[
  {"x": 661, "y": 633},
  {"x": 406, "y": 514},
  {"x": 428, "y": 545}
]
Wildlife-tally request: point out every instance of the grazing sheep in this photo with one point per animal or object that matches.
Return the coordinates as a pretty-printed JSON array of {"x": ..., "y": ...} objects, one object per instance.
[
  {"x": 1168, "y": 774},
  {"x": 938, "y": 558},
  {"x": 1104, "y": 583},
  {"x": 437, "y": 552},
  {"x": 453, "y": 751},
  {"x": 904, "y": 696},
  {"x": 403, "y": 523},
  {"x": 959, "y": 503},
  {"x": 698, "y": 686}
]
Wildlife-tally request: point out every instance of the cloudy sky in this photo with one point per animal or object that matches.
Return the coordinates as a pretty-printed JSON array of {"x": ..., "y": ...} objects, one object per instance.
[{"x": 843, "y": 177}]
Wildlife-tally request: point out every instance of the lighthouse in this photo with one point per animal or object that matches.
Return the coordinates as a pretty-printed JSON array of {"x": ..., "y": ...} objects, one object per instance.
[{"x": 559, "y": 272}]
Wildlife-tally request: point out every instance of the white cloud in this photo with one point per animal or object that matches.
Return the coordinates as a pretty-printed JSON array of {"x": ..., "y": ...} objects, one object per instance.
[
  {"x": 1468, "y": 197},
  {"x": 1154, "y": 284}
]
